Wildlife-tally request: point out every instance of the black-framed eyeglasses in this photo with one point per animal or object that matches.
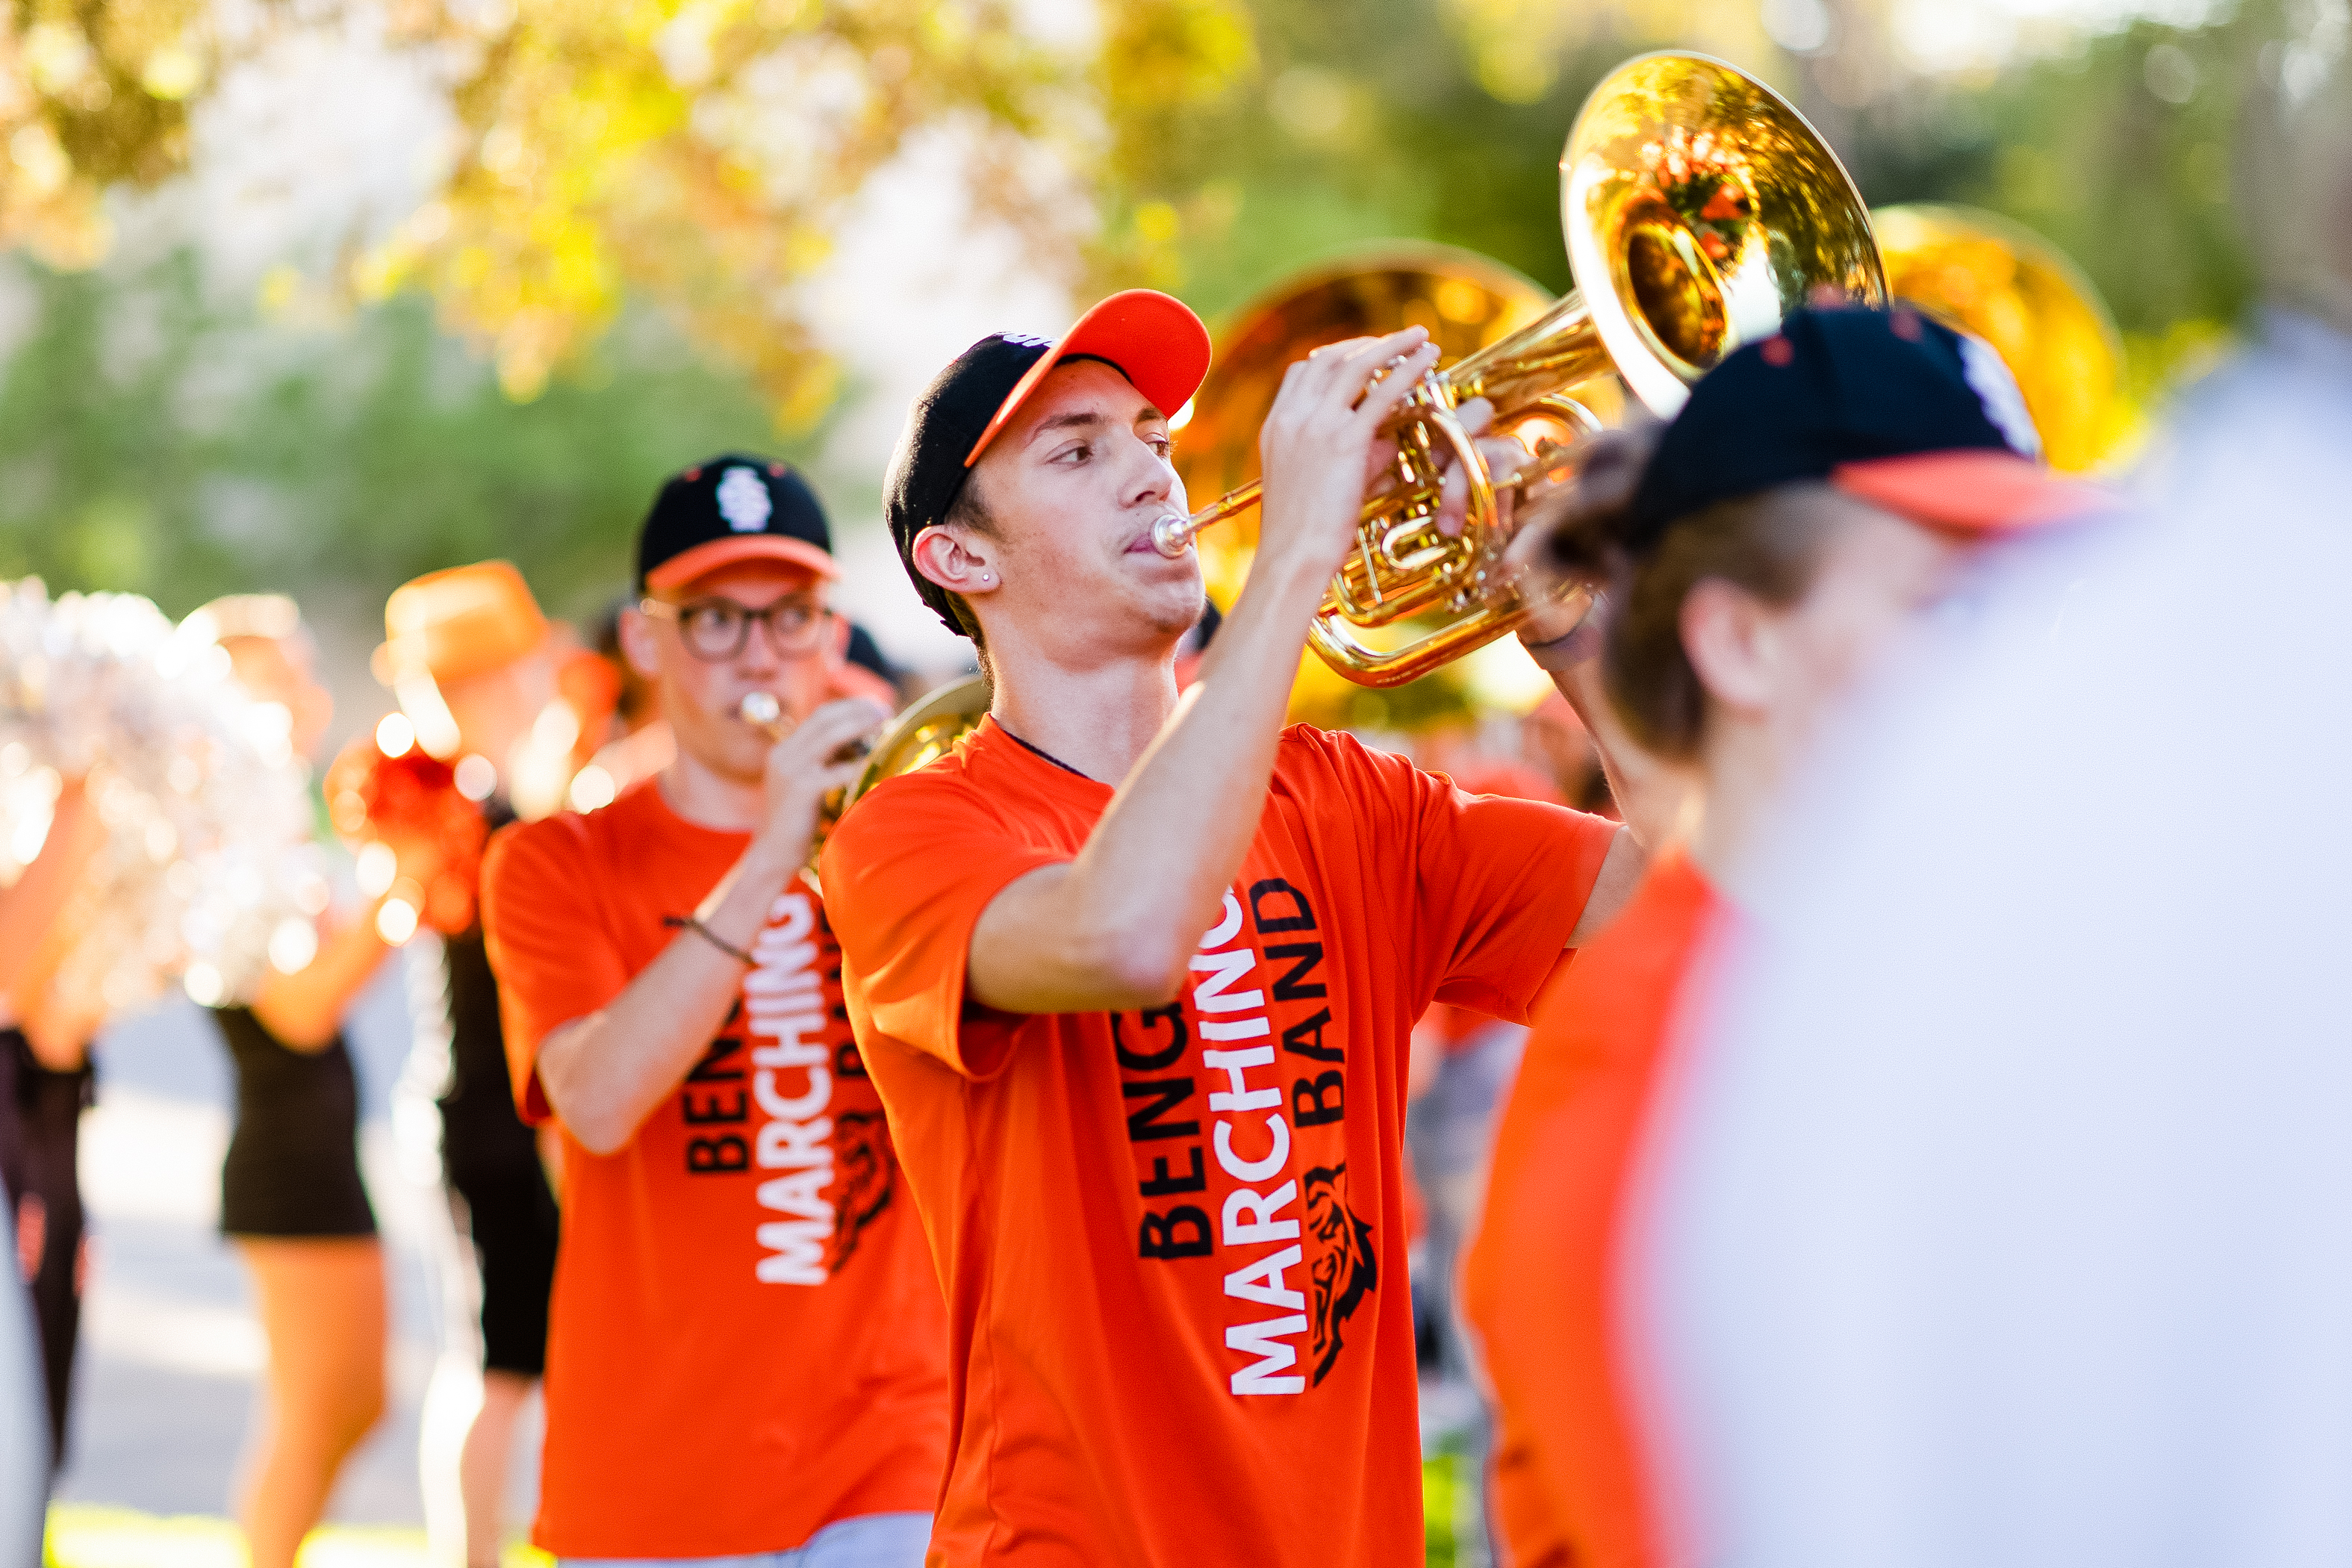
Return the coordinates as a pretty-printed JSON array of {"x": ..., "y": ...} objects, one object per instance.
[{"x": 716, "y": 629}]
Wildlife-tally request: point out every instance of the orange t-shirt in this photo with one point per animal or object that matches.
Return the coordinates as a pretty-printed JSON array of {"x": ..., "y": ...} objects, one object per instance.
[
  {"x": 1172, "y": 1240},
  {"x": 746, "y": 1340},
  {"x": 1570, "y": 1487}
]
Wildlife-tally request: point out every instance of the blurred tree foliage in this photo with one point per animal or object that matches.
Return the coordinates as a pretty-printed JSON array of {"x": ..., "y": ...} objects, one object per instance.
[
  {"x": 1425, "y": 118},
  {"x": 1444, "y": 119},
  {"x": 2120, "y": 150},
  {"x": 619, "y": 168},
  {"x": 154, "y": 442},
  {"x": 699, "y": 154},
  {"x": 93, "y": 92}
]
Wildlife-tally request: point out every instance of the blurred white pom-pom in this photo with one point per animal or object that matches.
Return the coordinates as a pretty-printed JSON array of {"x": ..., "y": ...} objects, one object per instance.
[{"x": 207, "y": 854}]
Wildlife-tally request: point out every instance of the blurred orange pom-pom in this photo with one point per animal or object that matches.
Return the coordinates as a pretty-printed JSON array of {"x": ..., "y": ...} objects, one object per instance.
[{"x": 412, "y": 804}]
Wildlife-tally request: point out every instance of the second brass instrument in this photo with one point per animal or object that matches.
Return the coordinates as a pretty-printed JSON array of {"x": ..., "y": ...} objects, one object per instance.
[{"x": 916, "y": 738}]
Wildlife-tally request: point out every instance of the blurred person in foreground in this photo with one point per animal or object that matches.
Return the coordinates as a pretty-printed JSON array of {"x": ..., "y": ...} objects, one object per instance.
[
  {"x": 1135, "y": 973},
  {"x": 292, "y": 1196},
  {"x": 747, "y": 1355},
  {"x": 474, "y": 665},
  {"x": 1817, "y": 495},
  {"x": 2001, "y": 1214}
]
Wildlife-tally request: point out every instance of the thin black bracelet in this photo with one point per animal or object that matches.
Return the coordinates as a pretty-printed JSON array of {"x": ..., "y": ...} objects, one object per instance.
[
  {"x": 1539, "y": 650},
  {"x": 693, "y": 923}
]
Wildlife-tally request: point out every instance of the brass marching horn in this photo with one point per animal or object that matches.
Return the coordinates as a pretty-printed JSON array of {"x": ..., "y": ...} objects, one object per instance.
[
  {"x": 1980, "y": 273},
  {"x": 916, "y": 738},
  {"x": 1699, "y": 208}
]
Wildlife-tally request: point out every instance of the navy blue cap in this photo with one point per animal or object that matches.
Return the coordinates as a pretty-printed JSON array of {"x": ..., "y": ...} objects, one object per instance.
[
  {"x": 732, "y": 508},
  {"x": 1836, "y": 390}
]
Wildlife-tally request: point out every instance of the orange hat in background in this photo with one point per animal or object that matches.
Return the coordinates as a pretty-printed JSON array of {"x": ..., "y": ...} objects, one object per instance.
[{"x": 462, "y": 621}]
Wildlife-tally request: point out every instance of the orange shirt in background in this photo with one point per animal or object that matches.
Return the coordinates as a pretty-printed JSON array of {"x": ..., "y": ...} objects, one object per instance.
[
  {"x": 746, "y": 1341},
  {"x": 1570, "y": 1487},
  {"x": 1172, "y": 1240}
]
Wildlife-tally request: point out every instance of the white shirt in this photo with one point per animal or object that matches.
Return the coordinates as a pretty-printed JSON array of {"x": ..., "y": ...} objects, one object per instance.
[{"x": 2005, "y": 1215}]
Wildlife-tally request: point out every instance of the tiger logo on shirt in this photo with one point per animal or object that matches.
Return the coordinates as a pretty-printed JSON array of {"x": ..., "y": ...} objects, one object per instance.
[
  {"x": 1343, "y": 1267},
  {"x": 868, "y": 1168}
]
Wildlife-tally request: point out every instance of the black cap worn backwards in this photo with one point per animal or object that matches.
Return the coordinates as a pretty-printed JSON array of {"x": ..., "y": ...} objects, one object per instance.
[
  {"x": 1834, "y": 388},
  {"x": 732, "y": 508},
  {"x": 927, "y": 471}
]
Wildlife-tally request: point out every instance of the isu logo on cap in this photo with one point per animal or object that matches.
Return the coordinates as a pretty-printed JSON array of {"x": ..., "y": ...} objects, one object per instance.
[{"x": 743, "y": 500}]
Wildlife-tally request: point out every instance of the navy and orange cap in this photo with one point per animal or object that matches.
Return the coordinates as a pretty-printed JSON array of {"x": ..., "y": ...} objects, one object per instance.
[
  {"x": 1888, "y": 406},
  {"x": 1154, "y": 341},
  {"x": 731, "y": 509}
]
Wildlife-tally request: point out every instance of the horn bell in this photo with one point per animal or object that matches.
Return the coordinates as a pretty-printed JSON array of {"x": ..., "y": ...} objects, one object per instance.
[{"x": 1699, "y": 208}]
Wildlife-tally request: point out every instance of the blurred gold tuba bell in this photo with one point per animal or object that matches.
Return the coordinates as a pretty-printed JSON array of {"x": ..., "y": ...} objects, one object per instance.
[
  {"x": 1699, "y": 208},
  {"x": 1980, "y": 273}
]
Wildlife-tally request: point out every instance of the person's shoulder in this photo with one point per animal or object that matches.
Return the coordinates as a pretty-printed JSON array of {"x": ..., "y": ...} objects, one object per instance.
[
  {"x": 1308, "y": 758},
  {"x": 568, "y": 841},
  {"x": 955, "y": 778},
  {"x": 1305, "y": 745},
  {"x": 939, "y": 792}
]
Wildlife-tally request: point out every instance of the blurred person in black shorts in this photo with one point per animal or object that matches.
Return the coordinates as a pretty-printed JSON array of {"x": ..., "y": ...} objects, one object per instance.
[{"x": 293, "y": 1199}]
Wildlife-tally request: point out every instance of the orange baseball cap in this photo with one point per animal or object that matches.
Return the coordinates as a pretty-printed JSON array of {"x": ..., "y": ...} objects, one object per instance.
[
  {"x": 465, "y": 621},
  {"x": 1978, "y": 493},
  {"x": 1152, "y": 339}
]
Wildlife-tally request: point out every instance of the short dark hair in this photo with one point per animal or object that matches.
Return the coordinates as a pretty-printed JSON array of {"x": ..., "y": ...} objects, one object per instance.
[{"x": 969, "y": 510}]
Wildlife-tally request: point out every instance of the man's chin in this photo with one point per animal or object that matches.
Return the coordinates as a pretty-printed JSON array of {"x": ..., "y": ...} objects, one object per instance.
[{"x": 1171, "y": 604}]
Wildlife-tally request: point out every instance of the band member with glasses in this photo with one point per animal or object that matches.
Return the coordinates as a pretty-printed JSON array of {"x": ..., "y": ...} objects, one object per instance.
[
  {"x": 748, "y": 1353},
  {"x": 1820, "y": 493},
  {"x": 1136, "y": 974}
]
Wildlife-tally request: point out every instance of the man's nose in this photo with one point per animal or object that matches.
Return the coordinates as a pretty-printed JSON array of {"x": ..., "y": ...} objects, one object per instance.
[
  {"x": 1154, "y": 478},
  {"x": 760, "y": 656}
]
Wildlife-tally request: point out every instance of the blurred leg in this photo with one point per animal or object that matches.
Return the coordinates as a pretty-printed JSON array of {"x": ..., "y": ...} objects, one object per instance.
[
  {"x": 511, "y": 1215},
  {"x": 323, "y": 1307},
  {"x": 482, "y": 1463}
]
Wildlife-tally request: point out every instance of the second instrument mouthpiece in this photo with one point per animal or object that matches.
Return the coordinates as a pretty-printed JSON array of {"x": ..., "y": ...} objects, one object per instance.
[
  {"x": 762, "y": 711},
  {"x": 1172, "y": 535}
]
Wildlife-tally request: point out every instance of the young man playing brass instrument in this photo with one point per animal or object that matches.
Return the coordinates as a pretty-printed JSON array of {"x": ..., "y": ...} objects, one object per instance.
[
  {"x": 1135, "y": 974},
  {"x": 746, "y": 1359}
]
